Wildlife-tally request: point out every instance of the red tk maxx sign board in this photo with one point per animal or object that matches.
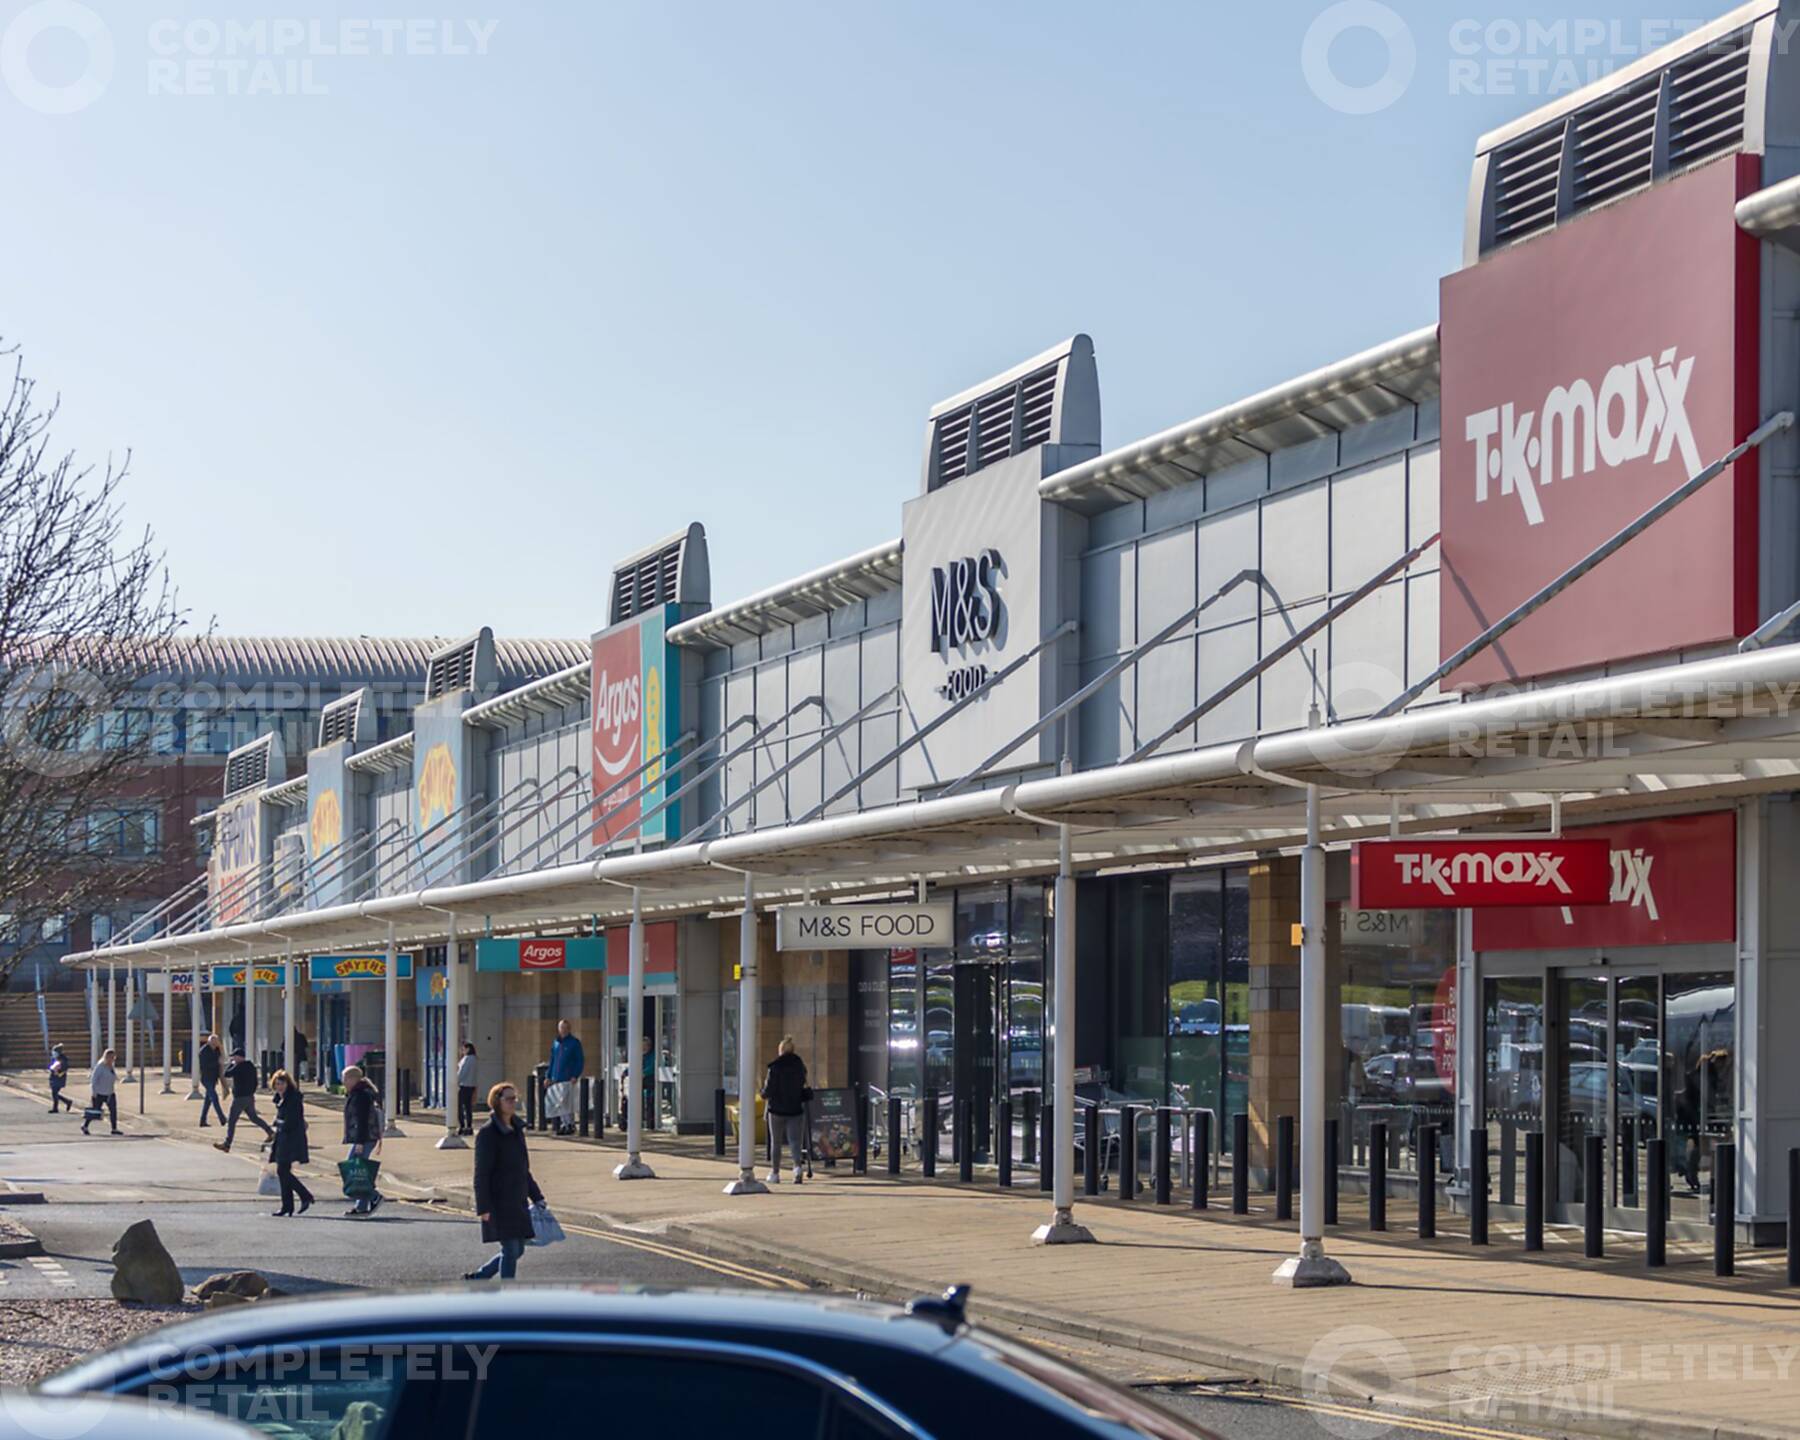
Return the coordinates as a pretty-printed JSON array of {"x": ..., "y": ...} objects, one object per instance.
[
  {"x": 1588, "y": 373},
  {"x": 1472, "y": 874}
]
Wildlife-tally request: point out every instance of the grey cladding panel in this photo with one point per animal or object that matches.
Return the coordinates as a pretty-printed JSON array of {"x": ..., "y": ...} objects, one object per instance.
[
  {"x": 1165, "y": 579},
  {"x": 1288, "y": 684},
  {"x": 1165, "y": 688},
  {"x": 1107, "y": 604},
  {"x": 1104, "y": 721},
  {"x": 1368, "y": 653},
  {"x": 1224, "y": 655},
  {"x": 1229, "y": 543},
  {"x": 1368, "y": 521},
  {"x": 1296, "y": 527}
]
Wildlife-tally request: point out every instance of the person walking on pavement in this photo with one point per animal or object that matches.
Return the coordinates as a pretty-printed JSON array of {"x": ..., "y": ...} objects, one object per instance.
[
  {"x": 212, "y": 1064},
  {"x": 785, "y": 1094},
  {"x": 465, "y": 1091},
  {"x": 103, "y": 1083},
  {"x": 567, "y": 1061},
  {"x": 363, "y": 1124},
  {"x": 59, "y": 1078},
  {"x": 504, "y": 1189},
  {"x": 289, "y": 1149},
  {"x": 242, "y": 1075}
]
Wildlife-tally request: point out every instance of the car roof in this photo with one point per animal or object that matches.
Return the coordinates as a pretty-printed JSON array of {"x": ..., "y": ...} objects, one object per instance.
[{"x": 593, "y": 1309}]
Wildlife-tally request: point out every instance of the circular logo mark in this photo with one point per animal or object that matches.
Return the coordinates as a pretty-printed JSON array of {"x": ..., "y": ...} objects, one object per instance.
[
  {"x": 49, "y": 719},
  {"x": 35, "y": 21},
  {"x": 1339, "y": 20},
  {"x": 1355, "y": 1358}
]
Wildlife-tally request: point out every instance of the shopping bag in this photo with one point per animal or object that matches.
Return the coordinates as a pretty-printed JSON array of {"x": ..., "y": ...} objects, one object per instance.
[
  {"x": 91, "y": 1114},
  {"x": 270, "y": 1183},
  {"x": 359, "y": 1174},
  {"x": 545, "y": 1228},
  {"x": 559, "y": 1100}
]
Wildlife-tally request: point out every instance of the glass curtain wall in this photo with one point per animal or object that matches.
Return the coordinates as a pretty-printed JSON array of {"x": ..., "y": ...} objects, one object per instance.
[{"x": 1512, "y": 1017}]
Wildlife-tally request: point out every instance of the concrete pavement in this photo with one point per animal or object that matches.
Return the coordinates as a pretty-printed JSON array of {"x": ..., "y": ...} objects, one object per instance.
[{"x": 1439, "y": 1327}]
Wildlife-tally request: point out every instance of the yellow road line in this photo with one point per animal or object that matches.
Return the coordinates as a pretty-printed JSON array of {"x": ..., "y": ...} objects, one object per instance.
[
  {"x": 767, "y": 1279},
  {"x": 1381, "y": 1417}
]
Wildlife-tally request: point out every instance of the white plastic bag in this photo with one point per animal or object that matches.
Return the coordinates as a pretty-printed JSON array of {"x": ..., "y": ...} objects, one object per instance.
[{"x": 545, "y": 1228}]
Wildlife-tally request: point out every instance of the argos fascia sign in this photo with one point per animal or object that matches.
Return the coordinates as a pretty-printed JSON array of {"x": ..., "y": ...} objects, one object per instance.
[
  {"x": 1588, "y": 372},
  {"x": 636, "y": 715}
]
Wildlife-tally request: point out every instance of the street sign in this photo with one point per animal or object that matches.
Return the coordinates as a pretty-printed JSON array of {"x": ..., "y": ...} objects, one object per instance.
[
  {"x": 321, "y": 968},
  {"x": 233, "y": 975},
  {"x": 864, "y": 927},
  {"x": 1476, "y": 874},
  {"x": 580, "y": 952}
]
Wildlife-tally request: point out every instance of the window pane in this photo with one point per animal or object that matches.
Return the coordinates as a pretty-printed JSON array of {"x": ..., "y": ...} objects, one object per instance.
[
  {"x": 330, "y": 1394},
  {"x": 1196, "y": 996},
  {"x": 1237, "y": 992},
  {"x": 540, "y": 1392},
  {"x": 1512, "y": 1018},
  {"x": 1699, "y": 1081}
]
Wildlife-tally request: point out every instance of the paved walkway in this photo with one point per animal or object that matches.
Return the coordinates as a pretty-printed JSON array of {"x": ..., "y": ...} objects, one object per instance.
[{"x": 1552, "y": 1341}]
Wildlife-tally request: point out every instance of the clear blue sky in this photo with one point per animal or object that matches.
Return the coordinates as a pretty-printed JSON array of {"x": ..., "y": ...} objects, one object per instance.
[{"x": 433, "y": 348}]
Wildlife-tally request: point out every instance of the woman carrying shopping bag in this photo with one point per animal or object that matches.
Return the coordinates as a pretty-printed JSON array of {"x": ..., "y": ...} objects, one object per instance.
[
  {"x": 504, "y": 1189},
  {"x": 290, "y": 1143},
  {"x": 363, "y": 1123}
]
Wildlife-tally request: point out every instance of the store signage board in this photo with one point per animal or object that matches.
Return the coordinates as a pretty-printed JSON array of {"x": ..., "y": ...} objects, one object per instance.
[
  {"x": 1587, "y": 375},
  {"x": 864, "y": 927},
  {"x": 1672, "y": 881},
  {"x": 1476, "y": 874},
  {"x": 233, "y": 975},
  {"x": 583, "y": 952},
  {"x": 156, "y": 982},
  {"x": 636, "y": 716},
  {"x": 357, "y": 967}
]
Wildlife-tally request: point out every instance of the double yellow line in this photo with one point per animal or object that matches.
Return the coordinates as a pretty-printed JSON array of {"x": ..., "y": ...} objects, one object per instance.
[
  {"x": 1375, "y": 1418},
  {"x": 767, "y": 1279}
]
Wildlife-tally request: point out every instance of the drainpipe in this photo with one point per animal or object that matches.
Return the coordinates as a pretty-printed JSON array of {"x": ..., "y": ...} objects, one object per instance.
[{"x": 636, "y": 1061}]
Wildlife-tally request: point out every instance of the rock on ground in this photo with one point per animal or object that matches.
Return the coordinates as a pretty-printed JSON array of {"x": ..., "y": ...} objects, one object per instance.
[
  {"x": 143, "y": 1270},
  {"x": 233, "y": 1287}
]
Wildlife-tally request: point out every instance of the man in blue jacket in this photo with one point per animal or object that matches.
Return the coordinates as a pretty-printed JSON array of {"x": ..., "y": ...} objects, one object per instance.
[{"x": 567, "y": 1061}]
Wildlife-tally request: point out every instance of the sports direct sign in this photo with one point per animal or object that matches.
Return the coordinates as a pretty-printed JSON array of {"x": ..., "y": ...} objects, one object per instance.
[
  {"x": 635, "y": 712},
  {"x": 1471, "y": 874},
  {"x": 1589, "y": 372}
]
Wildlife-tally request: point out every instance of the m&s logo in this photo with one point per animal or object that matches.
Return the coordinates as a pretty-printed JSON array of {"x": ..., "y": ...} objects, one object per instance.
[
  {"x": 437, "y": 785},
  {"x": 327, "y": 822}
]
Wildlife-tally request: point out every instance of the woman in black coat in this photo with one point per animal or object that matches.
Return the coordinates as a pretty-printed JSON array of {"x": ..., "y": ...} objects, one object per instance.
[
  {"x": 504, "y": 1189},
  {"x": 289, "y": 1148}
]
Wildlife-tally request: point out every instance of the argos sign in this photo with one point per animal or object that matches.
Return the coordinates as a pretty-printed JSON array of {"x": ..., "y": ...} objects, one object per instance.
[
  {"x": 1587, "y": 373},
  {"x": 635, "y": 694}
]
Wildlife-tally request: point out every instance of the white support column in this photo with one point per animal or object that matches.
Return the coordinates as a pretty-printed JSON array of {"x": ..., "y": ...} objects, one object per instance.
[
  {"x": 450, "y": 1140},
  {"x": 1062, "y": 1228},
  {"x": 634, "y": 1167},
  {"x": 289, "y": 996},
  {"x": 249, "y": 1030},
  {"x": 195, "y": 1001},
  {"x": 168, "y": 1029},
  {"x": 390, "y": 1034},
  {"x": 747, "y": 1183},
  {"x": 93, "y": 998},
  {"x": 1312, "y": 1267},
  {"x": 112, "y": 1010},
  {"x": 130, "y": 1028}
]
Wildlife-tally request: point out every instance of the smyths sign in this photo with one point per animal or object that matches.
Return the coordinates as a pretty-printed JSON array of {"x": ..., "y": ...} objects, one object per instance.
[
  {"x": 1587, "y": 373},
  {"x": 1464, "y": 874},
  {"x": 1670, "y": 882}
]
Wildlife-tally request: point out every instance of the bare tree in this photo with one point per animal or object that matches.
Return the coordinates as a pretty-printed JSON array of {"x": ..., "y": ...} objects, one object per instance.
[{"x": 86, "y": 614}]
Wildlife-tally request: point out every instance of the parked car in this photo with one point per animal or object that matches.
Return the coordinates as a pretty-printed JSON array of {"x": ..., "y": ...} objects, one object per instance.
[
  {"x": 27, "y": 1415},
  {"x": 481, "y": 1364}
]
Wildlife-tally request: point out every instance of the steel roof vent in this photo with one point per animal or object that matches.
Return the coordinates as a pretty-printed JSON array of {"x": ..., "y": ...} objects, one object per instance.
[
  {"x": 347, "y": 719},
  {"x": 466, "y": 665},
  {"x": 253, "y": 766},
  {"x": 672, "y": 571},
  {"x": 1051, "y": 400}
]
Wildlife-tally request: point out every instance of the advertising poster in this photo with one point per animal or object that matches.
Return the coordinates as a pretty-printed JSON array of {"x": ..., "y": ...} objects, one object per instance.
[{"x": 635, "y": 714}]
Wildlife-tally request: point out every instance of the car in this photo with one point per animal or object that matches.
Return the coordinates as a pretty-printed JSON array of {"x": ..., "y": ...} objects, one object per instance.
[
  {"x": 28, "y": 1415},
  {"x": 529, "y": 1360}
]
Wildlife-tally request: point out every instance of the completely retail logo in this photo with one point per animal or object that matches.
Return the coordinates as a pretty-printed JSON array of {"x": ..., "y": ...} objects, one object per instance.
[
  {"x": 965, "y": 609},
  {"x": 1638, "y": 409}
]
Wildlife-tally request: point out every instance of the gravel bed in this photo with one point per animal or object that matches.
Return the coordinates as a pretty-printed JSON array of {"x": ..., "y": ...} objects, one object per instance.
[{"x": 40, "y": 1337}]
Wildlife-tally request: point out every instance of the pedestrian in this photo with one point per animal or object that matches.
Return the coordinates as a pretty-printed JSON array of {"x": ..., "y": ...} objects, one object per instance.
[
  {"x": 241, "y": 1072},
  {"x": 567, "y": 1061},
  {"x": 785, "y": 1094},
  {"x": 289, "y": 1149},
  {"x": 465, "y": 1091},
  {"x": 645, "y": 1070},
  {"x": 236, "y": 1030},
  {"x": 103, "y": 1083},
  {"x": 59, "y": 1077},
  {"x": 212, "y": 1064},
  {"x": 504, "y": 1189},
  {"x": 302, "y": 1053},
  {"x": 363, "y": 1124}
]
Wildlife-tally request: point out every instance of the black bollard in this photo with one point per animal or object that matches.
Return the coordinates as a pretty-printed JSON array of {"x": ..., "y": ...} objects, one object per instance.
[
  {"x": 1378, "y": 1153},
  {"x": 965, "y": 1140},
  {"x": 1593, "y": 1195},
  {"x": 1162, "y": 1156},
  {"x": 1128, "y": 1152},
  {"x": 859, "y": 1159},
  {"x": 1284, "y": 1167},
  {"x": 1793, "y": 1229},
  {"x": 1656, "y": 1204},
  {"x": 1240, "y": 1164},
  {"x": 1509, "y": 1162},
  {"x": 1331, "y": 1171},
  {"x": 1428, "y": 1149},
  {"x": 599, "y": 1107},
  {"x": 1628, "y": 1176},
  {"x": 928, "y": 1141},
  {"x": 531, "y": 1099},
  {"x": 1005, "y": 1138},
  {"x": 1478, "y": 1186},
  {"x": 893, "y": 1134},
  {"x": 1028, "y": 1122},
  {"x": 1047, "y": 1161},
  {"x": 719, "y": 1121},
  {"x": 1090, "y": 1157},
  {"x": 1534, "y": 1190},
  {"x": 1202, "y": 1158},
  {"x": 586, "y": 1107},
  {"x": 1724, "y": 1189}
]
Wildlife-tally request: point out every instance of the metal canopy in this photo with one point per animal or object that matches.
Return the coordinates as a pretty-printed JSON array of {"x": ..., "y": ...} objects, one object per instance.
[{"x": 1684, "y": 735}]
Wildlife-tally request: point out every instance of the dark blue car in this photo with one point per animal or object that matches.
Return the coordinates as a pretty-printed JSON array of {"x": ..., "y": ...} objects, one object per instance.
[{"x": 546, "y": 1363}]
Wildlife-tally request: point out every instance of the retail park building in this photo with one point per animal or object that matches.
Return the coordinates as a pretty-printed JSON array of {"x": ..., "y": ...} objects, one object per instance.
[{"x": 1156, "y": 653}]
